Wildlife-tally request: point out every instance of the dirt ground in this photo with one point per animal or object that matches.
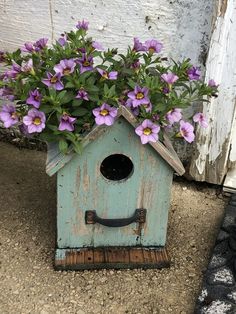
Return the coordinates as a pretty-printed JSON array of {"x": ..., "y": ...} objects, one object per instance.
[{"x": 27, "y": 240}]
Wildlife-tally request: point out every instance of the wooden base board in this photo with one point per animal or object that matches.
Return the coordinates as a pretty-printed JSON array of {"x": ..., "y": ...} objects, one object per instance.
[{"x": 111, "y": 257}]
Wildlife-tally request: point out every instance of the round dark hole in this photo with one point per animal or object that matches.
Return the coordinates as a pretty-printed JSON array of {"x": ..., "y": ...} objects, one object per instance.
[{"x": 116, "y": 167}]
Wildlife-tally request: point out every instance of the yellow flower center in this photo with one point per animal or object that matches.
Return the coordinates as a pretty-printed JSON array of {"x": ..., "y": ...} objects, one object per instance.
[
  {"x": 37, "y": 121},
  {"x": 140, "y": 96},
  {"x": 86, "y": 63},
  {"x": 53, "y": 79},
  {"x": 105, "y": 75},
  {"x": 147, "y": 131},
  {"x": 104, "y": 112},
  {"x": 66, "y": 71},
  {"x": 14, "y": 115},
  {"x": 151, "y": 50}
]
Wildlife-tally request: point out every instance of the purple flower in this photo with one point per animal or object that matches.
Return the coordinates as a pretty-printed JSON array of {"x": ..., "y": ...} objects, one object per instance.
[
  {"x": 62, "y": 40},
  {"x": 15, "y": 70},
  {"x": 139, "y": 96},
  {"x": 8, "y": 115},
  {"x": 169, "y": 78},
  {"x": 186, "y": 131},
  {"x": 138, "y": 46},
  {"x": 105, "y": 114},
  {"x": 148, "y": 131},
  {"x": 7, "y": 93},
  {"x": 24, "y": 130},
  {"x": 82, "y": 25},
  {"x": 129, "y": 104},
  {"x": 86, "y": 63},
  {"x": 136, "y": 65},
  {"x": 108, "y": 75},
  {"x": 41, "y": 43},
  {"x": 66, "y": 123},
  {"x": 194, "y": 73},
  {"x": 27, "y": 66},
  {"x": 174, "y": 115},
  {"x": 53, "y": 81},
  {"x": 153, "y": 45},
  {"x": 82, "y": 94},
  {"x": 212, "y": 83},
  {"x": 35, "y": 121},
  {"x": 148, "y": 107},
  {"x": 34, "y": 98},
  {"x": 165, "y": 90},
  {"x": 201, "y": 119},
  {"x": 65, "y": 67},
  {"x": 96, "y": 45},
  {"x": 28, "y": 47}
]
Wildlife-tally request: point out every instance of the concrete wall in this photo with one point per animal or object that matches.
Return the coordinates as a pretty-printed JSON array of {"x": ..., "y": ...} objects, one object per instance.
[{"x": 182, "y": 25}]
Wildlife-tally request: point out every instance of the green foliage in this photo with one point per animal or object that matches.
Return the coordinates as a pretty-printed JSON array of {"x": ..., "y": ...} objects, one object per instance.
[{"x": 135, "y": 68}]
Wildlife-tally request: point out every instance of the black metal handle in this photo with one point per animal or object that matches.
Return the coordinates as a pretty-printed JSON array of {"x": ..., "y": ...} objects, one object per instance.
[{"x": 139, "y": 215}]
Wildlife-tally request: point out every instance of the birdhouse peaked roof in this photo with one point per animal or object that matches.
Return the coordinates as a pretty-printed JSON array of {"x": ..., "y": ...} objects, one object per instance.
[{"x": 57, "y": 160}]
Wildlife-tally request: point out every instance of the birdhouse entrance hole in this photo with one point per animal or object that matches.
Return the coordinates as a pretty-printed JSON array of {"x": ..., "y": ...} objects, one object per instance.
[{"x": 116, "y": 167}]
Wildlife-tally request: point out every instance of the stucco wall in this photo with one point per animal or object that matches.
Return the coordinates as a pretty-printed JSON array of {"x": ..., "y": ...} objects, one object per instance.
[{"x": 182, "y": 25}]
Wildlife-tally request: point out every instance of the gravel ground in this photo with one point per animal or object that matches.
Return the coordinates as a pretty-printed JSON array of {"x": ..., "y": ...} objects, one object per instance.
[{"x": 27, "y": 240}]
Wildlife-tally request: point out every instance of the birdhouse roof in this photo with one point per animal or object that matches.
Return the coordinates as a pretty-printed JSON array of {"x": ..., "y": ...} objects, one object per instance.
[{"x": 57, "y": 160}]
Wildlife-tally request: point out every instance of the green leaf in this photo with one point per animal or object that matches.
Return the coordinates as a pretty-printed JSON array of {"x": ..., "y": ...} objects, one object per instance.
[
  {"x": 80, "y": 112},
  {"x": 63, "y": 146},
  {"x": 131, "y": 83},
  {"x": 92, "y": 88},
  {"x": 69, "y": 85},
  {"x": 68, "y": 97},
  {"x": 77, "y": 102}
]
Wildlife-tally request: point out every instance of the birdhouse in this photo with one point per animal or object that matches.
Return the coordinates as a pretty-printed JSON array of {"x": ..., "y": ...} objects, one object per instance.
[{"x": 113, "y": 199}]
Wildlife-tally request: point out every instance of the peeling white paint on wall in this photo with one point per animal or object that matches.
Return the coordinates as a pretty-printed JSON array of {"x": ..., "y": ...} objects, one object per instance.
[
  {"x": 182, "y": 25},
  {"x": 214, "y": 143}
]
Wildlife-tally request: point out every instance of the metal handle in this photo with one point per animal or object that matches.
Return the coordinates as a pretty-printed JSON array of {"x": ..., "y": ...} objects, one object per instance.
[{"x": 139, "y": 215}]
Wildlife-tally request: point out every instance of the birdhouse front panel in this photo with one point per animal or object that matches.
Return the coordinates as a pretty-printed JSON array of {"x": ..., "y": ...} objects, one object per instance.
[{"x": 115, "y": 181}]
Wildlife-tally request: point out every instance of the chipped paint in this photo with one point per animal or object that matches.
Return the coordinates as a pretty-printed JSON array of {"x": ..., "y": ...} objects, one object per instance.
[{"x": 210, "y": 161}]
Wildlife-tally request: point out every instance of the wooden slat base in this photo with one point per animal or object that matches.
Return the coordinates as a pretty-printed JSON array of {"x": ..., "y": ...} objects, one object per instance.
[{"x": 111, "y": 257}]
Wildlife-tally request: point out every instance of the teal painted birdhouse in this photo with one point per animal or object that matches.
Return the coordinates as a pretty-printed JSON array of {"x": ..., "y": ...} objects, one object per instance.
[{"x": 113, "y": 199}]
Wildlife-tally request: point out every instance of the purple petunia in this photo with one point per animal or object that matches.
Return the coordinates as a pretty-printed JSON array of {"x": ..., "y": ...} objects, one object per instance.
[
  {"x": 28, "y": 47},
  {"x": 153, "y": 45},
  {"x": 138, "y": 46},
  {"x": 12, "y": 74},
  {"x": 8, "y": 115},
  {"x": 41, "y": 43},
  {"x": 34, "y": 98},
  {"x": 27, "y": 66},
  {"x": 96, "y": 45},
  {"x": 174, "y": 115},
  {"x": 108, "y": 75},
  {"x": 35, "y": 121},
  {"x": 82, "y": 25},
  {"x": 105, "y": 114},
  {"x": 82, "y": 94},
  {"x": 212, "y": 83},
  {"x": 194, "y": 73},
  {"x": 7, "y": 93},
  {"x": 201, "y": 119},
  {"x": 129, "y": 104},
  {"x": 86, "y": 63},
  {"x": 66, "y": 123},
  {"x": 186, "y": 131},
  {"x": 53, "y": 81},
  {"x": 136, "y": 65},
  {"x": 65, "y": 67},
  {"x": 148, "y": 131},
  {"x": 62, "y": 40},
  {"x": 169, "y": 78},
  {"x": 139, "y": 96}
]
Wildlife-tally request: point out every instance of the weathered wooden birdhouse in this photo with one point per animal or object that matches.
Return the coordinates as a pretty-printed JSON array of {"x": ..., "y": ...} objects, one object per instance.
[{"x": 113, "y": 199}]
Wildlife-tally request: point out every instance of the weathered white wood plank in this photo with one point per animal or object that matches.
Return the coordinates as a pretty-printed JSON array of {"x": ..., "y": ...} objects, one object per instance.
[{"x": 210, "y": 162}]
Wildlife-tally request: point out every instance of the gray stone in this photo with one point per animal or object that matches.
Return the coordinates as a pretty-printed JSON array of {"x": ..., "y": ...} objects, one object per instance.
[
  {"x": 232, "y": 296},
  {"x": 217, "y": 261},
  {"x": 228, "y": 221},
  {"x": 218, "y": 307},
  {"x": 222, "y": 276},
  {"x": 222, "y": 236}
]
